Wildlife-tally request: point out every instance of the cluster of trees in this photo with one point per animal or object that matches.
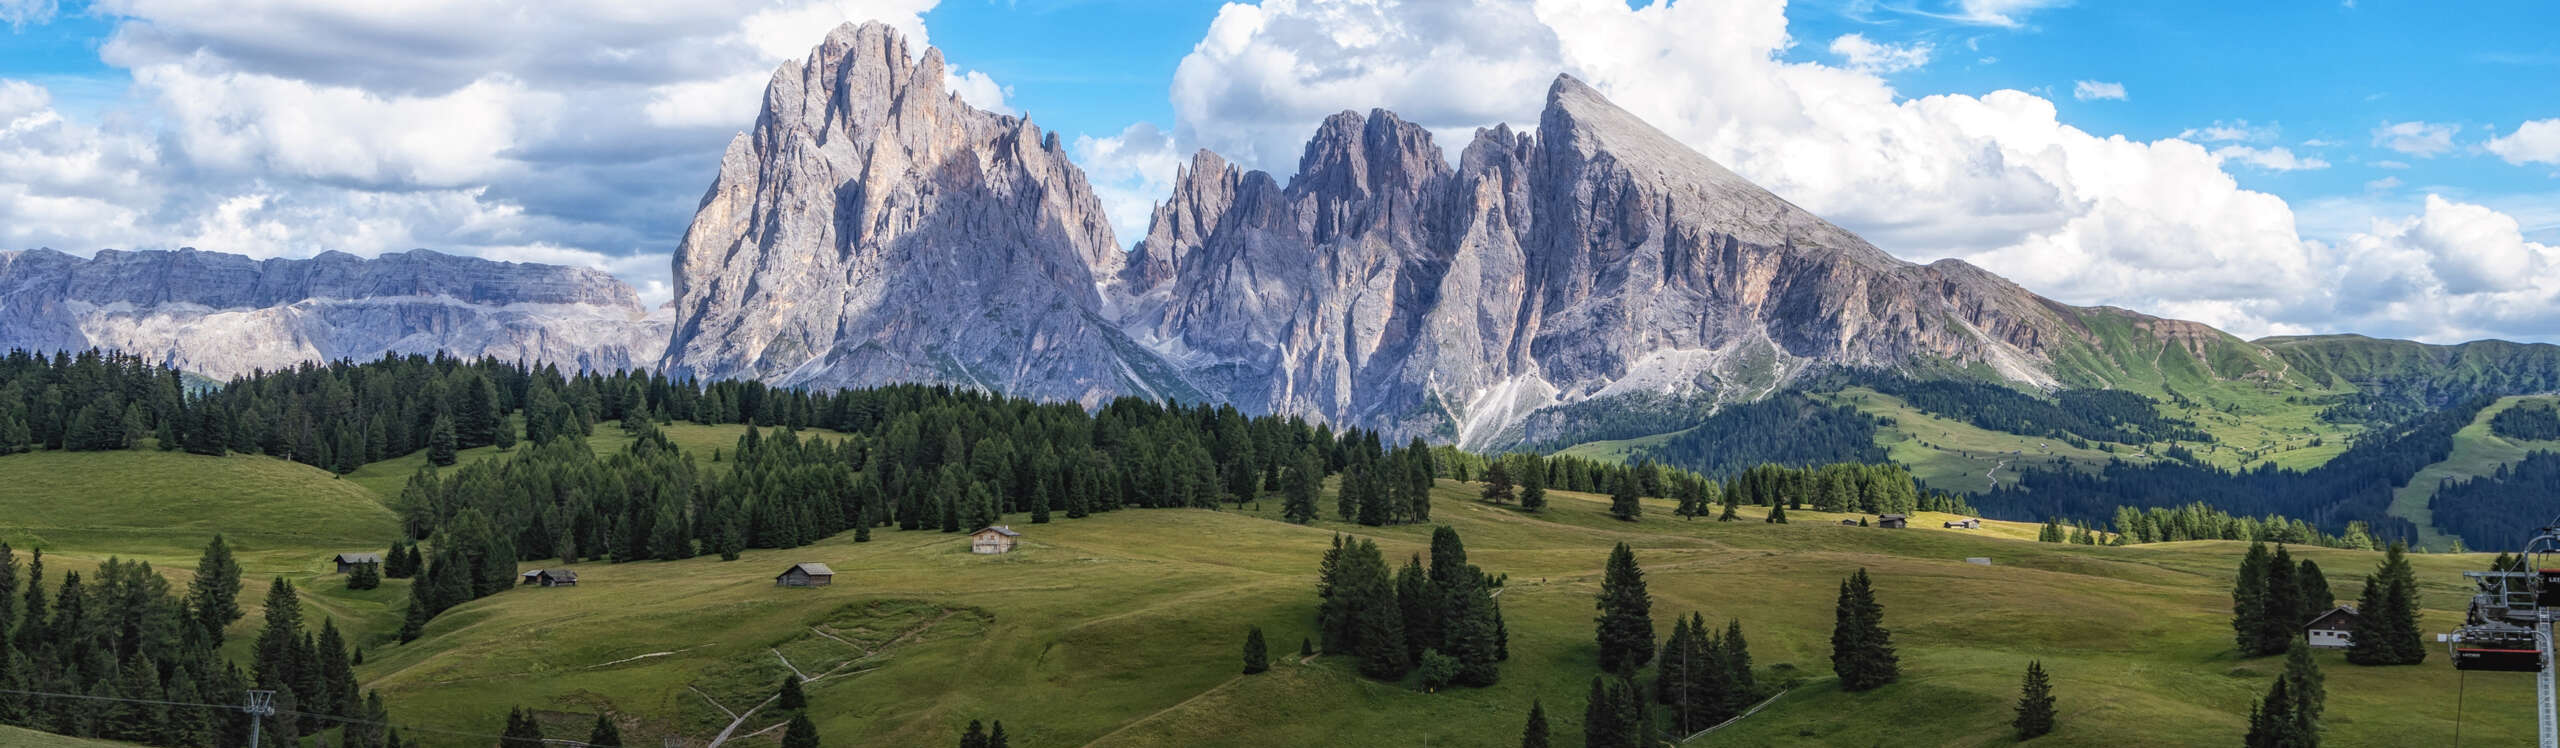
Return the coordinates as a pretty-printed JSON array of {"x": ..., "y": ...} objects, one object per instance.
[
  {"x": 2074, "y": 532},
  {"x": 2272, "y": 597},
  {"x": 2196, "y": 521},
  {"x": 89, "y": 401},
  {"x": 1442, "y": 618},
  {"x": 2075, "y": 416},
  {"x": 1701, "y": 675},
  {"x": 2528, "y": 422},
  {"x": 1378, "y": 488},
  {"x": 2501, "y": 509},
  {"x": 2289, "y": 716},
  {"x": 2355, "y": 486},
  {"x": 1788, "y": 428},
  {"x": 1861, "y": 648},
  {"x": 2386, "y": 631},
  {"x": 145, "y": 657}
]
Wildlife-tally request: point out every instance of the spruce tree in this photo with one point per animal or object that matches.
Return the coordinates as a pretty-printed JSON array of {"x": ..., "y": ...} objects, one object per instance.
[
  {"x": 1612, "y": 718},
  {"x": 2249, "y": 599},
  {"x": 522, "y": 731},
  {"x": 975, "y": 736},
  {"x": 801, "y": 733},
  {"x": 1533, "y": 484},
  {"x": 1732, "y": 501},
  {"x": 1777, "y": 514},
  {"x": 364, "y": 577},
  {"x": 2316, "y": 597},
  {"x": 1298, "y": 490},
  {"x": 440, "y": 441},
  {"x": 2284, "y": 606},
  {"x": 1622, "y": 499},
  {"x": 1534, "y": 735},
  {"x": 1861, "y": 648},
  {"x": 790, "y": 697},
  {"x": 1256, "y": 657},
  {"x": 1497, "y": 483},
  {"x": 1625, "y": 626},
  {"x": 995, "y": 736},
  {"x": 213, "y": 596},
  {"x": 2386, "y": 632},
  {"x": 605, "y": 734},
  {"x": 2035, "y": 703},
  {"x": 1741, "y": 688},
  {"x": 2302, "y": 677}
]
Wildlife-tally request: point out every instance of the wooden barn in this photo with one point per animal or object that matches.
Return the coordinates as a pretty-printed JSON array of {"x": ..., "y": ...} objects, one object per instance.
[
  {"x": 810, "y": 574},
  {"x": 347, "y": 561},
  {"x": 1967, "y": 523},
  {"x": 1893, "y": 521},
  {"x": 2334, "y": 629},
  {"x": 995, "y": 539},
  {"x": 550, "y": 577}
]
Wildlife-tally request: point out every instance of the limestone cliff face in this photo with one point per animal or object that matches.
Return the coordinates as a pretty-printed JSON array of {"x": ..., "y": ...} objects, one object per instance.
[
  {"x": 1599, "y": 258},
  {"x": 873, "y": 228},
  {"x": 223, "y": 315}
]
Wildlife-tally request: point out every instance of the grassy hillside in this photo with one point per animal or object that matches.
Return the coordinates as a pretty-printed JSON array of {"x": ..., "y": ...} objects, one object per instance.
[
  {"x": 18, "y": 737},
  {"x": 2476, "y": 452},
  {"x": 1122, "y": 629}
]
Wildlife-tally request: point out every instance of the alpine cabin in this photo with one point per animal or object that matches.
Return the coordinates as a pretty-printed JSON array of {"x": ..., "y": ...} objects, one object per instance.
[
  {"x": 550, "y": 577},
  {"x": 347, "y": 562},
  {"x": 996, "y": 539},
  {"x": 1893, "y": 521},
  {"x": 2334, "y": 629},
  {"x": 811, "y": 574}
]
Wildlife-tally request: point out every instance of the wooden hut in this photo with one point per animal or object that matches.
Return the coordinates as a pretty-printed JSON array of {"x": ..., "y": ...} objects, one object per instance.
[
  {"x": 1967, "y": 523},
  {"x": 2335, "y": 629},
  {"x": 347, "y": 561},
  {"x": 550, "y": 577},
  {"x": 809, "y": 574},
  {"x": 1893, "y": 521},
  {"x": 996, "y": 539}
]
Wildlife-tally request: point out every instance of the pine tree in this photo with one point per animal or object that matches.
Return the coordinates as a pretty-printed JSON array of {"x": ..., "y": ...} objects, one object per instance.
[
  {"x": 2302, "y": 677},
  {"x": 1625, "y": 630},
  {"x": 1777, "y": 514},
  {"x": 1298, "y": 490},
  {"x": 2316, "y": 597},
  {"x": 1861, "y": 648},
  {"x": 1622, "y": 499},
  {"x": 995, "y": 736},
  {"x": 1615, "y": 715},
  {"x": 364, "y": 577},
  {"x": 790, "y": 697},
  {"x": 1533, "y": 483},
  {"x": 975, "y": 736},
  {"x": 605, "y": 735},
  {"x": 2387, "y": 631},
  {"x": 1256, "y": 657},
  {"x": 523, "y": 731},
  {"x": 440, "y": 441},
  {"x": 213, "y": 596},
  {"x": 1497, "y": 483},
  {"x": 2035, "y": 703},
  {"x": 2284, "y": 616},
  {"x": 801, "y": 734},
  {"x": 1741, "y": 688},
  {"x": 2249, "y": 599},
  {"x": 1534, "y": 735},
  {"x": 1732, "y": 502}
]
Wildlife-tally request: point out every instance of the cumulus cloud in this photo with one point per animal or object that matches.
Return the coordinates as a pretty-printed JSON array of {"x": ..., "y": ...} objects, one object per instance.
[
  {"x": 2537, "y": 141},
  {"x": 2421, "y": 139},
  {"x": 2454, "y": 271},
  {"x": 22, "y": 13},
  {"x": 1131, "y": 171},
  {"x": 580, "y": 131},
  {"x": 2097, "y": 91},
  {"x": 1869, "y": 56},
  {"x": 1995, "y": 179},
  {"x": 2275, "y": 158}
]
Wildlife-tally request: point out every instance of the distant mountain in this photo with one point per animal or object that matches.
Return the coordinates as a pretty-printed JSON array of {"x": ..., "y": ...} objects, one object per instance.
[
  {"x": 873, "y": 228},
  {"x": 222, "y": 315}
]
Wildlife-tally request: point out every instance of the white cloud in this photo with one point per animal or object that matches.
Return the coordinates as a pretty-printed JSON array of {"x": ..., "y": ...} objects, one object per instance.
[
  {"x": 1131, "y": 172},
  {"x": 2097, "y": 90},
  {"x": 1867, "y": 56},
  {"x": 2384, "y": 184},
  {"x": 582, "y": 131},
  {"x": 978, "y": 90},
  {"x": 2233, "y": 131},
  {"x": 20, "y": 14},
  {"x": 2537, "y": 141},
  {"x": 2389, "y": 164},
  {"x": 2003, "y": 13},
  {"x": 2420, "y": 139},
  {"x": 2274, "y": 158},
  {"x": 2455, "y": 271},
  {"x": 2321, "y": 143}
]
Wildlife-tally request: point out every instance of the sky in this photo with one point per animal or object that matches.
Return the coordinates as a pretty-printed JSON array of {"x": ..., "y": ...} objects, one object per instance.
[{"x": 2387, "y": 168}]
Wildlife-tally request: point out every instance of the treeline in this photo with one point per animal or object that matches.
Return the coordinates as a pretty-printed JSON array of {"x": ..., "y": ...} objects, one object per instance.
[
  {"x": 90, "y": 401},
  {"x": 2196, "y": 521},
  {"x": 1839, "y": 487},
  {"x": 1788, "y": 428},
  {"x": 2076, "y": 416},
  {"x": 1441, "y": 619},
  {"x": 2527, "y": 422},
  {"x": 121, "y": 655},
  {"x": 2354, "y": 487},
  {"x": 2500, "y": 510}
]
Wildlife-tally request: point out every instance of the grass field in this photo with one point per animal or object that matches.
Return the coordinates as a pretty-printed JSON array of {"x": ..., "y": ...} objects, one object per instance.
[
  {"x": 1123, "y": 630},
  {"x": 19, "y": 737},
  {"x": 2476, "y": 452}
]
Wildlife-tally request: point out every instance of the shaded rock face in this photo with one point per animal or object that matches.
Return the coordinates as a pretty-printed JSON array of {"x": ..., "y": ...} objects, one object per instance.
[
  {"x": 223, "y": 315},
  {"x": 873, "y": 228},
  {"x": 1598, "y": 258}
]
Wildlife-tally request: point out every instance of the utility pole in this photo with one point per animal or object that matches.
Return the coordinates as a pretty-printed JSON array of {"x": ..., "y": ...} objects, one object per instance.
[{"x": 262, "y": 704}]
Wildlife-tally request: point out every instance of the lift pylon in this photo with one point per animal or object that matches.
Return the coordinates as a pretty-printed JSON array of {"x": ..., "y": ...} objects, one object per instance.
[{"x": 2509, "y": 627}]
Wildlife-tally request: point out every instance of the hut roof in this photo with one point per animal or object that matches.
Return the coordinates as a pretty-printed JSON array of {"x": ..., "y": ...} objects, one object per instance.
[
  {"x": 1003, "y": 530},
  {"x": 359, "y": 558},
  {"x": 811, "y": 568},
  {"x": 561, "y": 575}
]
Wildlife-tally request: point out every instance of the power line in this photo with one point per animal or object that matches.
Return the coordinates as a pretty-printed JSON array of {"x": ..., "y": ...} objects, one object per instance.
[{"x": 275, "y": 711}]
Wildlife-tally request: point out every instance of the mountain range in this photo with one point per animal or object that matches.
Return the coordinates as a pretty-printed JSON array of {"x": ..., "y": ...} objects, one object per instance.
[{"x": 872, "y": 227}]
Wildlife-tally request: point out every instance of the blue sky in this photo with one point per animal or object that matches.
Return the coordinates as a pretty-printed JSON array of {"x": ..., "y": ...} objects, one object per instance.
[{"x": 2265, "y": 167}]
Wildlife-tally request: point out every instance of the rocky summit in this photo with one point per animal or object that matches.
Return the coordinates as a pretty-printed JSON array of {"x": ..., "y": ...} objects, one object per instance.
[
  {"x": 224, "y": 315},
  {"x": 873, "y": 228}
]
